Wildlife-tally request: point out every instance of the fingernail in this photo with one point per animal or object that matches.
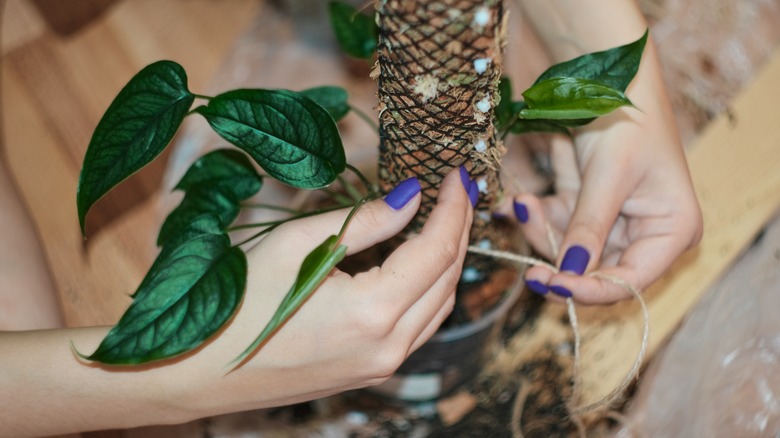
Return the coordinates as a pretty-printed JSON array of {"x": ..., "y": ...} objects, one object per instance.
[
  {"x": 403, "y": 193},
  {"x": 465, "y": 178},
  {"x": 575, "y": 260},
  {"x": 537, "y": 287},
  {"x": 561, "y": 291},
  {"x": 521, "y": 211},
  {"x": 473, "y": 193}
]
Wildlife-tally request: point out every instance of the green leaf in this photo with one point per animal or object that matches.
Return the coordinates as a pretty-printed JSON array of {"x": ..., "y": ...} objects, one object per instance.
[
  {"x": 522, "y": 126},
  {"x": 135, "y": 129},
  {"x": 571, "y": 98},
  {"x": 192, "y": 290},
  {"x": 215, "y": 184},
  {"x": 205, "y": 224},
  {"x": 614, "y": 67},
  {"x": 315, "y": 267},
  {"x": 333, "y": 99},
  {"x": 291, "y": 137},
  {"x": 356, "y": 33},
  {"x": 195, "y": 204},
  {"x": 503, "y": 111},
  {"x": 227, "y": 170}
]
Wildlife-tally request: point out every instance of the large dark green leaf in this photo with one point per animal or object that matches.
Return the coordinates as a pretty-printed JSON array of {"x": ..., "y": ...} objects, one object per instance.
[
  {"x": 135, "y": 129},
  {"x": 292, "y": 138},
  {"x": 206, "y": 224},
  {"x": 614, "y": 67},
  {"x": 356, "y": 33},
  {"x": 335, "y": 100},
  {"x": 571, "y": 98},
  {"x": 192, "y": 290},
  {"x": 315, "y": 267}
]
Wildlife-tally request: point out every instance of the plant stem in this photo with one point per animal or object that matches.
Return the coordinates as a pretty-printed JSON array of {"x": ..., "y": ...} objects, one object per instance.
[
  {"x": 271, "y": 225},
  {"x": 201, "y": 96},
  {"x": 272, "y": 207},
  {"x": 370, "y": 187},
  {"x": 352, "y": 213},
  {"x": 338, "y": 197},
  {"x": 350, "y": 189},
  {"x": 371, "y": 122}
]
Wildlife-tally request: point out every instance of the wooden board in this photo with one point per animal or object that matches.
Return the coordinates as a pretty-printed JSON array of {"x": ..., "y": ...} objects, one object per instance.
[{"x": 54, "y": 91}]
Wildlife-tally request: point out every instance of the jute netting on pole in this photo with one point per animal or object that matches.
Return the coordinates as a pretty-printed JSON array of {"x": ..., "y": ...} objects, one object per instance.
[{"x": 439, "y": 63}]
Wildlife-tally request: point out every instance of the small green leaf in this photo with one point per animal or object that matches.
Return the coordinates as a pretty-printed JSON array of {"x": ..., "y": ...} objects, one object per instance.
[
  {"x": 291, "y": 137},
  {"x": 614, "y": 67},
  {"x": 215, "y": 184},
  {"x": 504, "y": 111},
  {"x": 192, "y": 290},
  {"x": 356, "y": 33},
  {"x": 135, "y": 129},
  {"x": 571, "y": 98},
  {"x": 227, "y": 170},
  {"x": 522, "y": 126},
  {"x": 315, "y": 267},
  {"x": 195, "y": 204},
  {"x": 333, "y": 99}
]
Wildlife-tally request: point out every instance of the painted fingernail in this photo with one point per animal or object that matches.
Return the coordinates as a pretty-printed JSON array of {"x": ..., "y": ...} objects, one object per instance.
[
  {"x": 575, "y": 260},
  {"x": 537, "y": 287},
  {"x": 521, "y": 211},
  {"x": 403, "y": 193},
  {"x": 474, "y": 193},
  {"x": 465, "y": 178},
  {"x": 561, "y": 291}
]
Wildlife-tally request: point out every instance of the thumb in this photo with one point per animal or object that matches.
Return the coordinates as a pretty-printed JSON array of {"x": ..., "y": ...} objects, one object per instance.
[{"x": 374, "y": 222}]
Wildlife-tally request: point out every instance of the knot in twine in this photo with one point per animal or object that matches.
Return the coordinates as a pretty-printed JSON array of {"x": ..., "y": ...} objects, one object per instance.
[{"x": 607, "y": 400}]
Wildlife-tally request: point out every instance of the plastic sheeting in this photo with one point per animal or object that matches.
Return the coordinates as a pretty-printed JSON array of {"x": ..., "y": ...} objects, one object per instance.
[{"x": 720, "y": 374}]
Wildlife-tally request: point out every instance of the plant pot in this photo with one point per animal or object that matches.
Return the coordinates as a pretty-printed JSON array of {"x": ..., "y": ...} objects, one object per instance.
[{"x": 452, "y": 357}]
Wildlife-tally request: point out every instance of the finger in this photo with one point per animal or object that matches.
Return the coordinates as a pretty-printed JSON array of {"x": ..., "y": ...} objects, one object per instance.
[
  {"x": 641, "y": 264},
  {"x": 534, "y": 216},
  {"x": 433, "y": 326},
  {"x": 426, "y": 315},
  {"x": 603, "y": 192},
  {"x": 374, "y": 222},
  {"x": 415, "y": 266}
]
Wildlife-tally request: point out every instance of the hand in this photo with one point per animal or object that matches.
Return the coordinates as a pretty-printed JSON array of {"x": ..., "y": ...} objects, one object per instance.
[
  {"x": 354, "y": 331},
  {"x": 624, "y": 203}
]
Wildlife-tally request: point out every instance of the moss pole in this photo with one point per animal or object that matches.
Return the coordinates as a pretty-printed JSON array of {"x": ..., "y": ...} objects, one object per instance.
[{"x": 439, "y": 63}]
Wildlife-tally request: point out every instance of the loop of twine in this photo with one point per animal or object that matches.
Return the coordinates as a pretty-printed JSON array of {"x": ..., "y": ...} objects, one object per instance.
[{"x": 576, "y": 411}]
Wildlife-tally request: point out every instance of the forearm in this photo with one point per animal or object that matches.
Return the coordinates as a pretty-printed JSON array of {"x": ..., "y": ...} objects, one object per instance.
[
  {"x": 571, "y": 28},
  {"x": 27, "y": 295},
  {"x": 47, "y": 390}
]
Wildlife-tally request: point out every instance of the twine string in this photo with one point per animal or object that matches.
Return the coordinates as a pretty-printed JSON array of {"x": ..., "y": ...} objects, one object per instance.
[{"x": 608, "y": 399}]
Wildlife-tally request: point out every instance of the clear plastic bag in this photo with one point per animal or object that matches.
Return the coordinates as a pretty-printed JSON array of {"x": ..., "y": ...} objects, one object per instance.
[{"x": 720, "y": 374}]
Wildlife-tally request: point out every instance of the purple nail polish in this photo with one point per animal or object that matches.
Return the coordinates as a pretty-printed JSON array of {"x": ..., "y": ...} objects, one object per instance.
[
  {"x": 561, "y": 291},
  {"x": 465, "y": 178},
  {"x": 537, "y": 287},
  {"x": 473, "y": 193},
  {"x": 575, "y": 260},
  {"x": 403, "y": 193},
  {"x": 521, "y": 211}
]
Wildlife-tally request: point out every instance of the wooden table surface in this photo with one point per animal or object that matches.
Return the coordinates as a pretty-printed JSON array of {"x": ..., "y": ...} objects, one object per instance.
[{"x": 55, "y": 88}]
